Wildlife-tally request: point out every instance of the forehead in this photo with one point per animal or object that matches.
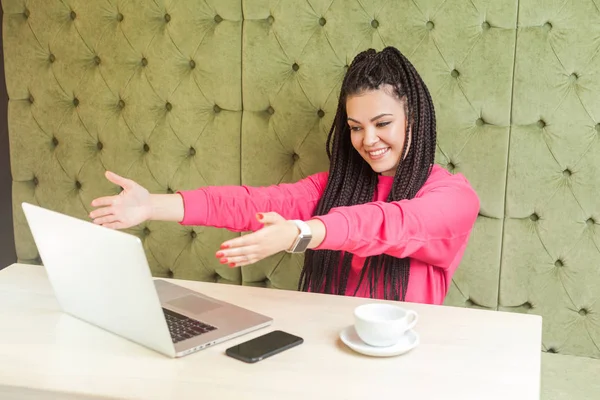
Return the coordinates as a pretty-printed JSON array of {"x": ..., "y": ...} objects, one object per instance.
[{"x": 372, "y": 102}]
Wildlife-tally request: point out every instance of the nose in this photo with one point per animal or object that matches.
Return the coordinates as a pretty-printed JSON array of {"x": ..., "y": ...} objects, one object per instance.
[{"x": 370, "y": 137}]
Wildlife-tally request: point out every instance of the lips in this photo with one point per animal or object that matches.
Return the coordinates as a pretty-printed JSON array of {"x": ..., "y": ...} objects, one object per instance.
[{"x": 378, "y": 154}]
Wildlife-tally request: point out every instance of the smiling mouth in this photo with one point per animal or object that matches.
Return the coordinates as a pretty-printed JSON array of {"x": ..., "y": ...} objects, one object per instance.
[{"x": 377, "y": 154}]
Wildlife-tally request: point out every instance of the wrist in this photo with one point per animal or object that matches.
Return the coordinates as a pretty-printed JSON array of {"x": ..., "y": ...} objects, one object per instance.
[
  {"x": 164, "y": 207},
  {"x": 301, "y": 238}
]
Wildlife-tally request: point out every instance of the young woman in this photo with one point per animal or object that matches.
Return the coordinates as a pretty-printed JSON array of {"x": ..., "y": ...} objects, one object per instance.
[{"x": 383, "y": 222}]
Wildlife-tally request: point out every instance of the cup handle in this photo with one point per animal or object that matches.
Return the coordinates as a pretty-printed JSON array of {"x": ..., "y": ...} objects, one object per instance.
[{"x": 415, "y": 318}]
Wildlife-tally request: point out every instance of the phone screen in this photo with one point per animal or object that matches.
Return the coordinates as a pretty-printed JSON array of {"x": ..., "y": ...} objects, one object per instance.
[{"x": 264, "y": 346}]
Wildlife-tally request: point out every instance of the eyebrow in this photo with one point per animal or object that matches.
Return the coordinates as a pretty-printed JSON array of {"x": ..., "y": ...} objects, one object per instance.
[{"x": 372, "y": 119}]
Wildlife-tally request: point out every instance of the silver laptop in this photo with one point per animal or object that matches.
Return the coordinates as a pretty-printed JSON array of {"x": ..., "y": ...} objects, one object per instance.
[{"x": 101, "y": 276}]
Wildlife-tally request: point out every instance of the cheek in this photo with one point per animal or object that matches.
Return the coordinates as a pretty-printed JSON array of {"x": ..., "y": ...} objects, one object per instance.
[{"x": 356, "y": 140}]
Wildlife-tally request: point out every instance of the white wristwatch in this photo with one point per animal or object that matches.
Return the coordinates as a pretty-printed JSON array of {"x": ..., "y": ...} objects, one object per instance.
[{"x": 303, "y": 239}]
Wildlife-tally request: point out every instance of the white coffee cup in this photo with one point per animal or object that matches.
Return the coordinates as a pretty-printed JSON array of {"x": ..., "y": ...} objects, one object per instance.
[{"x": 382, "y": 324}]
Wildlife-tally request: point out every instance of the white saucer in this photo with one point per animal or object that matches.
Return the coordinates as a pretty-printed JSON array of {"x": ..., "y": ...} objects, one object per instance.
[{"x": 409, "y": 341}]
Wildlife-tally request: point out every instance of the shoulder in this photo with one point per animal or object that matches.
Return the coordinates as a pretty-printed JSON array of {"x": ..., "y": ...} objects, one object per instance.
[{"x": 441, "y": 180}]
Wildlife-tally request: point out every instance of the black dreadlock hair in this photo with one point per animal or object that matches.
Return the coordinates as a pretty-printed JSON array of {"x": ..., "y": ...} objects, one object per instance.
[{"x": 352, "y": 181}]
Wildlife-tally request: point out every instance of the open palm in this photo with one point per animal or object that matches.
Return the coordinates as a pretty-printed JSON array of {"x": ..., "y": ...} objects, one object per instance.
[{"x": 129, "y": 208}]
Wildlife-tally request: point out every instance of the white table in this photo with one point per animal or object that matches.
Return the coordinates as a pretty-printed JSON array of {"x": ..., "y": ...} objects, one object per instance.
[{"x": 464, "y": 353}]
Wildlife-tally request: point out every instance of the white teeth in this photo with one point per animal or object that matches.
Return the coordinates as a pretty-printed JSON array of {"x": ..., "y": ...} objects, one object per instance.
[{"x": 378, "y": 152}]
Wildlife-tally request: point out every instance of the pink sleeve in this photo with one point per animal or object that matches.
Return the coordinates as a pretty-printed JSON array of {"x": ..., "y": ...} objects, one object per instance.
[
  {"x": 235, "y": 207},
  {"x": 432, "y": 227}
]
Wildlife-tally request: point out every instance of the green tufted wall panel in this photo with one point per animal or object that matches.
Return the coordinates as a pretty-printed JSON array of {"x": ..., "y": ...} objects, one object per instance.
[
  {"x": 295, "y": 55},
  {"x": 552, "y": 237},
  {"x": 148, "y": 89}
]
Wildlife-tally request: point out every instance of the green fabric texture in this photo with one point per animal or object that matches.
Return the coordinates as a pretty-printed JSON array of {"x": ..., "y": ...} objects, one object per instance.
[
  {"x": 178, "y": 95},
  {"x": 145, "y": 89},
  {"x": 551, "y": 236}
]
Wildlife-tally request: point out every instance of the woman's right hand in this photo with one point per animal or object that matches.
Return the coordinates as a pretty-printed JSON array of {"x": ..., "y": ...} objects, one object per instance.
[{"x": 129, "y": 208}]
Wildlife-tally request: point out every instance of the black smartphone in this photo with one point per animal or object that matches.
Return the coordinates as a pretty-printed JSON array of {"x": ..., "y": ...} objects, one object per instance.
[{"x": 264, "y": 346}]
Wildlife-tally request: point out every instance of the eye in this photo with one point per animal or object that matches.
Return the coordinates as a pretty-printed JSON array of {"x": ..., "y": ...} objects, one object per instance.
[
  {"x": 355, "y": 128},
  {"x": 382, "y": 124}
]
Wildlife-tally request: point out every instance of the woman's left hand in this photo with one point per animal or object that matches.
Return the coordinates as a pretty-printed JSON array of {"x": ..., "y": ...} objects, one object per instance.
[{"x": 277, "y": 235}]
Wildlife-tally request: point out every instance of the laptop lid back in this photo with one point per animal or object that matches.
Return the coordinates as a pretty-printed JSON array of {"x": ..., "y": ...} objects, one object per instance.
[{"x": 101, "y": 276}]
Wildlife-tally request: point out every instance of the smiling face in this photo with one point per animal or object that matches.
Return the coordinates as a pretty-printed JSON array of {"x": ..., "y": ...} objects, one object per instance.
[{"x": 377, "y": 123}]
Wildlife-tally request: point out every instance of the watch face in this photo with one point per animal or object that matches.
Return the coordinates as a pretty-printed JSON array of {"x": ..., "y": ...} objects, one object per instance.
[{"x": 302, "y": 245}]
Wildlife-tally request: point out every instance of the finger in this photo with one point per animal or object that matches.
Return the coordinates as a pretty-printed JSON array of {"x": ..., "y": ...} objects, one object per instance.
[
  {"x": 104, "y": 201},
  {"x": 237, "y": 251},
  {"x": 241, "y": 260},
  {"x": 238, "y": 242},
  {"x": 269, "y": 218},
  {"x": 125, "y": 183},
  {"x": 114, "y": 225},
  {"x": 106, "y": 220},
  {"x": 101, "y": 212}
]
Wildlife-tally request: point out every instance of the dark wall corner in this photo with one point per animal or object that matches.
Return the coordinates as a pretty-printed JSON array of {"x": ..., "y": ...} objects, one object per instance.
[{"x": 7, "y": 240}]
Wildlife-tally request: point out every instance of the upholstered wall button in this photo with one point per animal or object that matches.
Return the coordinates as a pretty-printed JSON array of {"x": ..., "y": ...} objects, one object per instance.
[
  {"x": 78, "y": 185},
  {"x": 270, "y": 110},
  {"x": 567, "y": 173},
  {"x": 320, "y": 113},
  {"x": 455, "y": 73},
  {"x": 480, "y": 122},
  {"x": 573, "y": 77},
  {"x": 547, "y": 26},
  {"x": 375, "y": 24},
  {"x": 218, "y": 19},
  {"x": 270, "y": 19},
  {"x": 295, "y": 67},
  {"x": 30, "y": 99},
  {"x": 51, "y": 58},
  {"x": 583, "y": 312},
  {"x": 216, "y": 109},
  {"x": 35, "y": 181},
  {"x": 322, "y": 21},
  {"x": 295, "y": 157},
  {"x": 451, "y": 166},
  {"x": 26, "y": 13},
  {"x": 541, "y": 124},
  {"x": 485, "y": 25},
  {"x": 144, "y": 62},
  {"x": 146, "y": 147},
  {"x": 559, "y": 264},
  {"x": 167, "y": 18},
  {"x": 193, "y": 234},
  {"x": 146, "y": 231},
  {"x": 534, "y": 217},
  {"x": 119, "y": 17},
  {"x": 73, "y": 15},
  {"x": 192, "y": 64},
  {"x": 590, "y": 222},
  {"x": 169, "y": 190},
  {"x": 99, "y": 146},
  {"x": 552, "y": 350},
  {"x": 121, "y": 104},
  {"x": 192, "y": 151},
  {"x": 168, "y": 106},
  {"x": 598, "y": 128},
  {"x": 527, "y": 305},
  {"x": 97, "y": 60},
  {"x": 170, "y": 274},
  {"x": 54, "y": 141},
  {"x": 76, "y": 102},
  {"x": 430, "y": 25}
]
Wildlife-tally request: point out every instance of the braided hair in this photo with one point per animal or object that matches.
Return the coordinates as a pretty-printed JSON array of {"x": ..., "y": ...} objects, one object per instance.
[{"x": 352, "y": 181}]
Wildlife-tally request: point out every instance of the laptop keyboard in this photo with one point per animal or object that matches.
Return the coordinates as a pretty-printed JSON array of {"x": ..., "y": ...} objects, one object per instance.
[{"x": 182, "y": 327}]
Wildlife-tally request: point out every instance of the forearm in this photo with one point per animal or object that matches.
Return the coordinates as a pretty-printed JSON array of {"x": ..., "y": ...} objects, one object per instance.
[
  {"x": 318, "y": 232},
  {"x": 166, "y": 207}
]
